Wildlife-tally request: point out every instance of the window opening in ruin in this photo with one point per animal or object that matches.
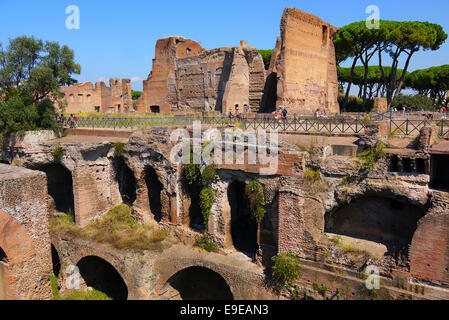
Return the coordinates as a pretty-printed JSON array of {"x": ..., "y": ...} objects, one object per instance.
[
  {"x": 60, "y": 187},
  {"x": 188, "y": 50},
  {"x": 126, "y": 181},
  {"x": 325, "y": 36},
  {"x": 407, "y": 165},
  {"x": 154, "y": 187},
  {"x": 377, "y": 221},
  {"x": 97, "y": 109},
  {"x": 155, "y": 109},
  {"x": 199, "y": 283},
  {"x": 56, "y": 261},
  {"x": 101, "y": 275},
  {"x": 420, "y": 166},
  {"x": 243, "y": 225},
  {"x": 439, "y": 178},
  {"x": 394, "y": 164}
]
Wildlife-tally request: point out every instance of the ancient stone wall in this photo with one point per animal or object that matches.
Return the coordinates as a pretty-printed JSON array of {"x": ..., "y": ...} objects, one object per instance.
[
  {"x": 84, "y": 97},
  {"x": 187, "y": 77},
  {"x": 24, "y": 233},
  {"x": 305, "y": 65}
]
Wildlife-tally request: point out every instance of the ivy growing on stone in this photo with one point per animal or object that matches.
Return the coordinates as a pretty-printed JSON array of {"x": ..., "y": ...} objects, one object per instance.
[
  {"x": 255, "y": 194},
  {"x": 207, "y": 198}
]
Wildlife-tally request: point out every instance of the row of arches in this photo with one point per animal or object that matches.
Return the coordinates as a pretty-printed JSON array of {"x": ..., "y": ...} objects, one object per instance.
[
  {"x": 191, "y": 283},
  {"x": 60, "y": 186}
]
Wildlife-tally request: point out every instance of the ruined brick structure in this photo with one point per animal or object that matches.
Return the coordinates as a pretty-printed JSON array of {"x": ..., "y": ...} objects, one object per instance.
[
  {"x": 84, "y": 97},
  {"x": 303, "y": 72},
  {"x": 25, "y": 255},
  {"x": 187, "y": 77}
]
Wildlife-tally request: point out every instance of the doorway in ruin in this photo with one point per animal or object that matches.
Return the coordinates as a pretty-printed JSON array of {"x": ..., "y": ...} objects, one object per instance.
[
  {"x": 155, "y": 188},
  {"x": 269, "y": 98},
  {"x": 126, "y": 181},
  {"x": 199, "y": 283},
  {"x": 55, "y": 261},
  {"x": 195, "y": 218},
  {"x": 4, "y": 290},
  {"x": 101, "y": 275},
  {"x": 243, "y": 226},
  {"x": 439, "y": 178},
  {"x": 60, "y": 186},
  {"x": 379, "y": 222}
]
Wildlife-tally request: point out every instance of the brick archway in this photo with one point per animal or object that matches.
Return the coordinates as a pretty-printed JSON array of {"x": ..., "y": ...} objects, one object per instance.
[{"x": 18, "y": 248}]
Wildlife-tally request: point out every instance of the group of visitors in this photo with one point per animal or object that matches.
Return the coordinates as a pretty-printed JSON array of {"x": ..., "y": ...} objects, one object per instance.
[
  {"x": 237, "y": 112},
  {"x": 60, "y": 118}
]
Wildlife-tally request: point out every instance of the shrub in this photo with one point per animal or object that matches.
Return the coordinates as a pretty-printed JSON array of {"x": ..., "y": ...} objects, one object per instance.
[
  {"x": 205, "y": 243},
  {"x": 285, "y": 270},
  {"x": 313, "y": 180},
  {"x": 206, "y": 201},
  {"x": 58, "y": 152},
  {"x": 208, "y": 176},
  {"x": 119, "y": 148},
  {"x": 255, "y": 194},
  {"x": 370, "y": 156},
  {"x": 413, "y": 102}
]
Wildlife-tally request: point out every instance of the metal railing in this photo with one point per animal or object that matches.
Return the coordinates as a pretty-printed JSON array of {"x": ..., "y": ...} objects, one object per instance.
[{"x": 338, "y": 124}]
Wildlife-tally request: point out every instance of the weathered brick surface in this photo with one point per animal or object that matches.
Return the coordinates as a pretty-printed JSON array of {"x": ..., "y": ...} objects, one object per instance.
[
  {"x": 186, "y": 76},
  {"x": 24, "y": 232},
  {"x": 84, "y": 97},
  {"x": 305, "y": 64},
  {"x": 429, "y": 251}
]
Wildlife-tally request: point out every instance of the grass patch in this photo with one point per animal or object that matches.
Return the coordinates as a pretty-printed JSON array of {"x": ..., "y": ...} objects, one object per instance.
[
  {"x": 119, "y": 148},
  {"x": 372, "y": 155},
  {"x": 205, "y": 243},
  {"x": 313, "y": 180},
  {"x": 117, "y": 228},
  {"x": 76, "y": 294}
]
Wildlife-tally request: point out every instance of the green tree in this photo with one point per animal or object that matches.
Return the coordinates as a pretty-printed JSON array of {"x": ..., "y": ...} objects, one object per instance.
[
  {"x": 136, "y": 94},
  {"x": 31, "y": 73},
  {"x": 432, "y": 82},
  {"x": 405, "y": 39},
  {"x": 266, "y": 56}
]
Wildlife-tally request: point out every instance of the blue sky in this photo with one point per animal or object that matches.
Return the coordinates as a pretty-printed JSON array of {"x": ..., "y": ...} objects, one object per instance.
[{"x": 117, "y": 38}]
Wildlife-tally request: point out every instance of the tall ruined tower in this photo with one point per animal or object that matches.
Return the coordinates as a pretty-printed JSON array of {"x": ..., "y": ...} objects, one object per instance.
[{"x": 303, "y": 71}]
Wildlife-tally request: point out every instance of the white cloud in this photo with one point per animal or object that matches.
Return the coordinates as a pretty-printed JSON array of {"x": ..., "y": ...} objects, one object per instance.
[{"x": 136, "y": 79}]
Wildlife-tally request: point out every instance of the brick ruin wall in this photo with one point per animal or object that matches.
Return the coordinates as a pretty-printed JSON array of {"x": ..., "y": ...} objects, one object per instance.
[
  {"x": 186, "y": 77},
  {"x": 84, "y": 97},
  {"x": 305, "y": 65},
  {"x": 24, "y": 234}
]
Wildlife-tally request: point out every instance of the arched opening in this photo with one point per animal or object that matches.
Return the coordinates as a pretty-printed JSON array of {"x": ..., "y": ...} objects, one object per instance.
[
  {"x": 199, "y": 283},
  {"x": 243, "y": 226},
  {"x": 269, "y": 97},
  {"x": 60, "y": 186},
  {"x": 377, "y": 220},
  {"x": 101, "y": 275},
  {"x": 126, "y": 181},
  {"x": 154, "y": 187},
  {"x": 56, "y": 261},
  {"x": 3, "y": 275},
  {"x": 196, "y": 220}
]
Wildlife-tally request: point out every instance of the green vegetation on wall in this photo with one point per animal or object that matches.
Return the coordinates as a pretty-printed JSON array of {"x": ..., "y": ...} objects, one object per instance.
[{"x": 255, "y": 194}]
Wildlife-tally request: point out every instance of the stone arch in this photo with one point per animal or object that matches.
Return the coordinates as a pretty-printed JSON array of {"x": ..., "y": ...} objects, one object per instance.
[
  {"x": 377, "y": 218},
  {"x": 154, "y": 187},
  {"x": 429, "y": 250},
  {"x": 126, "y": 181},
  {"x": 244, "y": 228},
  {"x": 60, "y": 186},
  {"x": 99, "y": 274},
  {"x": 16, "y": 248},
  {"x": 198, "y": 283}
]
